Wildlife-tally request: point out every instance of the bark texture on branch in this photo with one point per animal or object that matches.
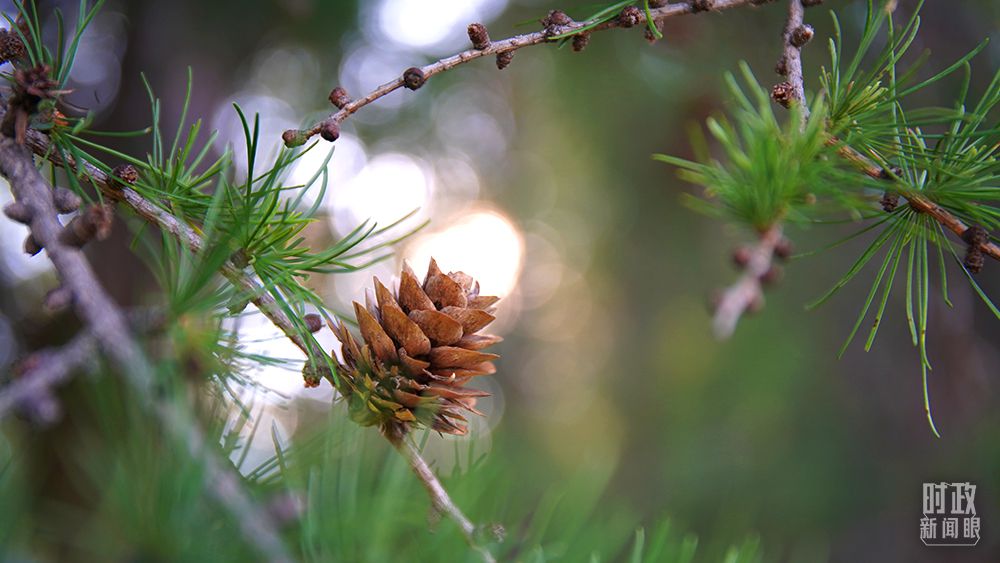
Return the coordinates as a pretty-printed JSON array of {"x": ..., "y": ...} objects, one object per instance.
[{"x": 105, "y": 322}]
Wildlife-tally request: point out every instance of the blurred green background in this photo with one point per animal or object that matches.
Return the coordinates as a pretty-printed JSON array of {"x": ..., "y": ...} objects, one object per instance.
[{"x": 614, "y": 405}]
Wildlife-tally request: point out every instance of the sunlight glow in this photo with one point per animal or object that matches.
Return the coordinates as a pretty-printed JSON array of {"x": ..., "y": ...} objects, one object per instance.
[
  {"x": 484, "y": 244},
  {"x": 413, "y": 23}
]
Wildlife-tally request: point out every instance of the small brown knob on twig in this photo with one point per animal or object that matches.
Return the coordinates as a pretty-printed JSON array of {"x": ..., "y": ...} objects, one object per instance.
[
  {"x": 503, "y": 59},
  {"x": 629, "y": 16},
  {"x": 313, "y": 322},
  {"x": 802, "y": 35},
  {"x": 339, "y": 97},
  {"x": 58, "y": 299},
  {"x": 329, "y": 130},
  {"x": 413, "y": 78},
  {"x": 294, "y": 138},
  {"x": 94, "y": 222},
  {"x": 128, "y": 174},
  {"x": 783, "y": 93},
  {"x": 702, "y": 5},
  {"x": 17, "y": 211},
  {"x": 479, "y": 36},
  {"x": 65, "y": 200}
]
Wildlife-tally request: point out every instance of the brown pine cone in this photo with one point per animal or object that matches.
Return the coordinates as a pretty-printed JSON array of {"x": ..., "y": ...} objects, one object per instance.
[{"x": 421, "y": 346}]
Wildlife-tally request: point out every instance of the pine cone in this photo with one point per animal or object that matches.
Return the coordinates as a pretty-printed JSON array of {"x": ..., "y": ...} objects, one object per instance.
[{"x": 420, "y": 349}]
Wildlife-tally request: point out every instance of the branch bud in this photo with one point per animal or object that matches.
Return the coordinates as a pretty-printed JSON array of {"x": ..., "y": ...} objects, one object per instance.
[
  {"x": 17, "y": 211},
  {"x": 801, "y": 35},
  {"x": 783, "y": 249},
  {"x": 556, "y": 18},
  {"x": 503, "y": 59},
  {"x": 741, "y": 257},
  {"x": 339, "y": 97},
  {"x": 413, "y": 78},
  {"x": 772, "y": 276},
  {"x": 889, "y": 201},
  {"x": 479, "y": 36},
  {"x": 701, "y": 5},
  {"x": 11, "y": 46},
  {"x": 580, "y": 41},
  {"x": 783, "y": 93},
  {"x": 629, "y": 16},
  {"x": 781, "y": 67},
  {"x": 294, "y": 138},
  {"x": 329, "y": 130},
  {"x": 127, "y": 174},
  {"x": 65, "y": 200},
  {"x": 58, "y": 299},
  {"x": 94, "y": 222},
  {"x": 313, "y": 322},
  {"x": 975, "y": 236},
  {"x": 653, "y": 37},
  {"x": 31, "y": 246}
]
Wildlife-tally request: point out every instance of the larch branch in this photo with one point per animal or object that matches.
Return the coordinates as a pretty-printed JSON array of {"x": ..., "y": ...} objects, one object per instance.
[
  {"x": 109, "y": 329},
  {"x": 748, "y": 291},
  {"x": 440, "y": 499},
  {"x": 915, "y": 200},
  {"x": 551, "y": 35}
]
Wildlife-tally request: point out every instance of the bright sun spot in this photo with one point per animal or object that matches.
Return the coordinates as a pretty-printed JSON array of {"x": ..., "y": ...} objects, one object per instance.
[
  {"x": 413, "y": 23},
  {"x": 483, "y": 244}
]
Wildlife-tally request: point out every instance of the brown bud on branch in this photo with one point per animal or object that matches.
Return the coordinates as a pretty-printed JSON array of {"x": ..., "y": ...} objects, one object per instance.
[
  {"x": 413, "y": 78},
  {"x": 339, "y": 97},
  {"x": 479, "y": 36},
  {"x": 94, "y": 222}
]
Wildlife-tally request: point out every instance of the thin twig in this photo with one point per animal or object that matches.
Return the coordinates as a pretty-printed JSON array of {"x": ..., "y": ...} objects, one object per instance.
[
  {"x": 113, "y": 189},
  {"x": 917, "y": 201},
  {"x": 107, "y": 324},
  {"x": 796, "y": 35},
  {"x": 440, "y": 499},
  {"x": 517, "y": 42},
  {"x": 748, "y": 291},
  {"x": 50, "y": 368}
]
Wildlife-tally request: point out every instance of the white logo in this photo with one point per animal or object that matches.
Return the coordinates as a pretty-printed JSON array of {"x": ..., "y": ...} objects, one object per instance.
[{"x": 949, "y": 514}]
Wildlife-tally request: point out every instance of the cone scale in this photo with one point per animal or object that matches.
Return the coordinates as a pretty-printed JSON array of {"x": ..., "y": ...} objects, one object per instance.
[{"x": 419, "y": 347}]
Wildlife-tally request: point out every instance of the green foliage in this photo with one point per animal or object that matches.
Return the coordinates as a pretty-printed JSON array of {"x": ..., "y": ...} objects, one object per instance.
[
  {"x": 771, "y": 171},
  {"x": 351, "y": 479}
]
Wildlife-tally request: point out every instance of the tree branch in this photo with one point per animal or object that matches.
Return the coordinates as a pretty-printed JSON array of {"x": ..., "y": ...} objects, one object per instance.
[
  {"x": 115, "y": 190},
  {"x": 48, "y": 369},
  {"x": 107, "y": 325},
  {"x": 917, "y": 201},
  {"x": 748, "y": 292},
  {"x": 795, "y": 36},
  {"x": 440, "y": 499},
  {"x": 512, "y": 44}
]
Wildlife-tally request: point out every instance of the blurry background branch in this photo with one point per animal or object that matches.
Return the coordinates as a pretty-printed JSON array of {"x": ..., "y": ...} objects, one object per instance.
[
  {"x": 557, "y": 26},
  {"x": 747, "y": 294},
  {"x": 118, "y": 190},
  {"x": 440, "y": 499},
  {"x": 44, "y": 370},
  {"x": 107, "y": 325}
]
